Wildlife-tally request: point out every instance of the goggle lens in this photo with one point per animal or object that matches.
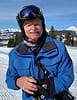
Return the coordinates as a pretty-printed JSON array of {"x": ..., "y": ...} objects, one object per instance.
[{"x": 25, "y": 13}]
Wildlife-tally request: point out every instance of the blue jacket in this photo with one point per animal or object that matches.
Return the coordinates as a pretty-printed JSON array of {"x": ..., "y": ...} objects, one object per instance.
[{"x": 53, "y": 55}]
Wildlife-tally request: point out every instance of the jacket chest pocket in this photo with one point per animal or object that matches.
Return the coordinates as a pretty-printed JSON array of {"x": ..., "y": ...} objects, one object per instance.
[
  {"x": 52, "y": 69},
  {"x": 51, "y": 66},
  {"x": 22, "y": 66}
]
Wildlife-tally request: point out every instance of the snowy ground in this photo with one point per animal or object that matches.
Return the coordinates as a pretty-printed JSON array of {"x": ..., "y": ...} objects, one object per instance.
[{"x": 7, "y": 94}]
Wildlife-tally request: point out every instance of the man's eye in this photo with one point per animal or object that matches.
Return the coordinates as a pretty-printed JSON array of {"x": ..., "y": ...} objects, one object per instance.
[
  {"x": 36, "y": 24},
  {"x": 28, "y": 24}
]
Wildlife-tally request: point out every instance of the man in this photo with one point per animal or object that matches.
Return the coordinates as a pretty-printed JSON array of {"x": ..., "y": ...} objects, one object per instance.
[{"x": 38, "y": 57}]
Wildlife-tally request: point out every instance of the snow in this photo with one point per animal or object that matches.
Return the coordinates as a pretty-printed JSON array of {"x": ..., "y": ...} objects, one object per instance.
[
  {"x": 8, "y": 94},
  {"x": 72, "y": 28},
  {"x": 5, "y": 93}
]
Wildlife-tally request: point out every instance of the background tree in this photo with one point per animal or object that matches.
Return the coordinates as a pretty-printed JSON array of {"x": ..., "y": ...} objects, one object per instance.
[
  {"x": 18, "y": 38},
  {"x": 52, "y": 33},
  {"x": 12, "y": 42}
]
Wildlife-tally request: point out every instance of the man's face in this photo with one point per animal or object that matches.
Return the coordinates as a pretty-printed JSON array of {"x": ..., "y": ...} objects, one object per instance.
[{"x": 33, "y": 29}]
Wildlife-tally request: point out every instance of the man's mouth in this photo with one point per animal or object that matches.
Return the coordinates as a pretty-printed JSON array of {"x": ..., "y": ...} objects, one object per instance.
[{"x": 34, "y": 32}]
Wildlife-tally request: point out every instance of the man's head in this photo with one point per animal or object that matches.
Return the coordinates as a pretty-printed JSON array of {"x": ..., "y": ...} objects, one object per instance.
[
  {"x": 29, "y": 14},
  {"x": 33, "y": 29}
]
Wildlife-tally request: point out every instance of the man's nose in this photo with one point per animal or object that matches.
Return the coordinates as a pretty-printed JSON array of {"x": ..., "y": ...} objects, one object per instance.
[{"x": 33, "y": 26}]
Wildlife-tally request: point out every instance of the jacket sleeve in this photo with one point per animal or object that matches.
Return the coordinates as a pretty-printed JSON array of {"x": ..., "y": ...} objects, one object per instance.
[
  {"x": 11, "y": 74},
  {"x": 65, "y": 75}
]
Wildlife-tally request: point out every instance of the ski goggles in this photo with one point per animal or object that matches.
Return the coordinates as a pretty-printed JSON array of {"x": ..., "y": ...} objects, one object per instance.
[{"x": 26, "y": 12}]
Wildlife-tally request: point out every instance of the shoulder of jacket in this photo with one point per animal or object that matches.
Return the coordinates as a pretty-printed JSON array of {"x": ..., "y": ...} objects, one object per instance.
[
  {"x": 60, "y": 45},
  {"x": 12, "y": 52}
]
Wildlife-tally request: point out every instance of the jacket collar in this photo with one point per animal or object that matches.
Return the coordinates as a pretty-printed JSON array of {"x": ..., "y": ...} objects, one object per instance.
[
  {"x": 48, "y": 46},
  {"x": 25, "y": 50}
]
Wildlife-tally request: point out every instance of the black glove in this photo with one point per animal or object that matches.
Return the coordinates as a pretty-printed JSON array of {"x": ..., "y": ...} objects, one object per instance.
[{"x": 64, "y": 95}]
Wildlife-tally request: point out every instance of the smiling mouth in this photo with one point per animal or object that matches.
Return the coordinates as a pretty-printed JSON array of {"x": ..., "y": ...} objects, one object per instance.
[{"x": 34, "y": 32}]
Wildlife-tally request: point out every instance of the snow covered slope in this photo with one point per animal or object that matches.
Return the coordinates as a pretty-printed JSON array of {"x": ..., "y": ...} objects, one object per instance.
[{"x": 72, "y": 28}]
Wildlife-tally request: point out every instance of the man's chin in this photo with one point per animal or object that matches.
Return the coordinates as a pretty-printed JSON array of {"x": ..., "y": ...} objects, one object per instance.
[{"x": 35, "y": 39}]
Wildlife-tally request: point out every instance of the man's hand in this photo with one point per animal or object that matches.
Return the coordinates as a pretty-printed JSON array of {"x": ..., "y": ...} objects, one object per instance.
[{"x": 28, "y": 84}]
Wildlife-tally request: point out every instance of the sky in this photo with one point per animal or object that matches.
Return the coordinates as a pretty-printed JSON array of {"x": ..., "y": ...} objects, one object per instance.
[{"x": 58, "y": 13}]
